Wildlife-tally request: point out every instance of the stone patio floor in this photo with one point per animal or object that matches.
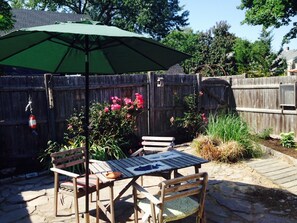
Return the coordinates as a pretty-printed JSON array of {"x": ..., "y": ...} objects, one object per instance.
[{"x": 230, "y": 198}]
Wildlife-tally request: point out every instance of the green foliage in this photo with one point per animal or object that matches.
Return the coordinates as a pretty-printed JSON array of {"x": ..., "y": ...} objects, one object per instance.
[
  {"x": 288, "y": 140},
  {"x": 106, "y": 148},
  {"x": 154, "y": 17},
  {"x": 242, "y": 50},
  {"x": 265, "y": 134},
  {"x": 257, "y": 58},
  {"x": 6, "y": 20},
  {"x": 193, "y": 122},
  {"x": 230, "y": 127},
  {"x": 211, "y": 47},
  {"x": 111, "y": 130},
  {"x": 184, "y": 41},
  {"x": 275, "y": 13},
  {"x": 44, "y": 157}
]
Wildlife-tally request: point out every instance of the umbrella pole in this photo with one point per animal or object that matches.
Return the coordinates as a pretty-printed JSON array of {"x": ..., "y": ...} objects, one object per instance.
[{"x": 87, "y": 214}]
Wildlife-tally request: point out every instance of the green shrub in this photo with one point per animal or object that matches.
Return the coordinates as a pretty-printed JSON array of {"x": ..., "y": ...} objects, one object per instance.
[
  {"x": 230, "y": 127},
  {"x": 288, "y": 140}
]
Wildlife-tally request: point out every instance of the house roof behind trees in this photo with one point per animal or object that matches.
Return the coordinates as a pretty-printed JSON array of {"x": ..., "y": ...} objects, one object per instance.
[{"x": 25, "y": 18}]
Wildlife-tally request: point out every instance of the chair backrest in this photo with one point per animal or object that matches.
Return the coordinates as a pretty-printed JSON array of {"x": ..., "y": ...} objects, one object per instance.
[
  {"x": 68, "y": 158},
  {"x": 191, "y": 185},
  {"x": 157, "y": 143}
]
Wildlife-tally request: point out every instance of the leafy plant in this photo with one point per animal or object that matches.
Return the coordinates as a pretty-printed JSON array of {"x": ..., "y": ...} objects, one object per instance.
[
  {"x": 288, "y": 140},
  {"x": 44, "y": 157},
  {"x": 229, "y": 127},
  {"x": 265, "y": 134},
  {"x": 106, "y": 148},
  {"x": 192, "y": 121}
]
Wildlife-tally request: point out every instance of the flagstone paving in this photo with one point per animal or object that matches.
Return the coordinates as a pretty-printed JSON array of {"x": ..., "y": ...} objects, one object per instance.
[{"x": 243, "y": 192}]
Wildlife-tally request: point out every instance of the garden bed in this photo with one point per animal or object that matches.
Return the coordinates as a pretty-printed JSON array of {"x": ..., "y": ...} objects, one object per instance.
[{"x": 275, "y": 144}]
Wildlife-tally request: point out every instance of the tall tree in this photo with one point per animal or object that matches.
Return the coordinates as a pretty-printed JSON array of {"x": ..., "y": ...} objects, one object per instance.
[
  {"x": 185, "y": 41},
  {"x": 257, "y": 59},
  {"x": 215, "y": 50},
  {"x": 271, "y": 13},
  {"x": 210, "y": 49},
  {"x": 6, "y": 20},
  {"x": 242, "y": 51},
  {"x": 154, "y": 17}
]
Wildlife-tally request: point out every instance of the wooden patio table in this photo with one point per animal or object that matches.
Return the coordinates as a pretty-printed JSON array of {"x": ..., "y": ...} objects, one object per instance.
[{"x": 134, "y": 167}]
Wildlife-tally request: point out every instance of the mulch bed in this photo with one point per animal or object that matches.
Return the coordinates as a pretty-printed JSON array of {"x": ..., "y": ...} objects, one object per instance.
[{"x": 276, "y": 145}]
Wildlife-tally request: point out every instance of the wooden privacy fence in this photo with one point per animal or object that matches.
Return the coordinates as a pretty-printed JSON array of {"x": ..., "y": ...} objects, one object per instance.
[
  {"x": 54, "y": 98},
  {"x": 267, "y": 103}
]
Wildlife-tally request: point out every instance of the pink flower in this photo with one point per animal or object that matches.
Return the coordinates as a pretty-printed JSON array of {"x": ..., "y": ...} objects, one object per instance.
[
  {"x": 106, "y": 109},
  {"x": 139, "y": 100},
  {"x": 115, "y": 99},
  {"x": 201, "y": 93},
  {"x": 70, "y": 127},
  {"x": 115, "y": 107},
  {"x": 127, "y": 101},
  {"x": 204, "y": 118}
]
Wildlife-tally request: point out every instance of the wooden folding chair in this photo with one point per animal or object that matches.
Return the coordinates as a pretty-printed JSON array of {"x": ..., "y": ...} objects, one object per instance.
[
  {"x": 155, "y": 144},
  {"x": 176, "y": 199},
  {"x": 71, "y": 165}
]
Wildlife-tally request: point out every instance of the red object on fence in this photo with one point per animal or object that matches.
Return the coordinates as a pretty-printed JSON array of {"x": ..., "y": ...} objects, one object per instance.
[{"x": 32, "y": 121}]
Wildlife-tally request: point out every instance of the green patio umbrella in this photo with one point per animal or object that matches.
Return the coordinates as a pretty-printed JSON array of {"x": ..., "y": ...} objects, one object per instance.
[{"x": 86, "y": 48}]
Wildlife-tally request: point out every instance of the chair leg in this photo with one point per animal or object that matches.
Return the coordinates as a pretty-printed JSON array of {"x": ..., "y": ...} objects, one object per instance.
[
  {"x": 141, "y": 180},
  {"x": 97, "y": 201},
  {"x": 75, "y": 197},
  {"x": 135, "y": 205},
  {"x": 56, "y": 190},
  {"x": 201, "y": 219}
]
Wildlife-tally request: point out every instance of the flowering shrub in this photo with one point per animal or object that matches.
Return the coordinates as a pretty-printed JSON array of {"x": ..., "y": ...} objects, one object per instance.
[{"x": 111, "y": 130}]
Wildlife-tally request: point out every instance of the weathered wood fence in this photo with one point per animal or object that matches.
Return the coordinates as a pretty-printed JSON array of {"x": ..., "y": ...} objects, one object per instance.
[
  {"x": 54, "y": 99},
  {"x": 260, "y": 102}
]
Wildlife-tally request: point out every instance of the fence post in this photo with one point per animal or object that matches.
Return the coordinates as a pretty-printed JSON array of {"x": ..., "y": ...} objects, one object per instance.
[
  {"x": 48, "y": 84},
  {"x": 199, "y": 80},
  {"x": 151, "y": 102}
]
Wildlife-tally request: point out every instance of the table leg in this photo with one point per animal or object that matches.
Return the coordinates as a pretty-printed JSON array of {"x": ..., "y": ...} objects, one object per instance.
[
  {"x": 112, "y": 217},
  {"x": 108, "y": 209}
]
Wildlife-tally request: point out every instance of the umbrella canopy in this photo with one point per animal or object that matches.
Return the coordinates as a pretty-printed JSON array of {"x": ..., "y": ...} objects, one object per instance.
[
  {"x": 85, "y": 47},
  {"x": 61, "y": 48}
]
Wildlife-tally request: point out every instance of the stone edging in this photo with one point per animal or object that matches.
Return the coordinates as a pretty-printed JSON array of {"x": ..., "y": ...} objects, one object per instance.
[
  {"x": 23, "y": 177},
  {"x": 290, "y": 160}
]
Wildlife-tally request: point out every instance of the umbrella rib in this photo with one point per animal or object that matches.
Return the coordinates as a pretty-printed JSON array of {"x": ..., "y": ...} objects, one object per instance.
[
  {"x": 64, "y": 41},
  {"x": 71, "y": 45},
  {"x": 133, "y": 49},
  {"x": 137, "y": 51},
  {"x": 32, "y": 45}
]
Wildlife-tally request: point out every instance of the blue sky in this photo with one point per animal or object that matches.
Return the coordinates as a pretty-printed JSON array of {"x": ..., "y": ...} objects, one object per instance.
[{"x": 205, "y": 13}]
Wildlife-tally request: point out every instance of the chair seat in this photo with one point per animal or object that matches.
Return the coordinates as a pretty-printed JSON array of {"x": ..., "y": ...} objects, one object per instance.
[
  {"x": 173, "y": 210},
  {"x": 81, "y": 184}
]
